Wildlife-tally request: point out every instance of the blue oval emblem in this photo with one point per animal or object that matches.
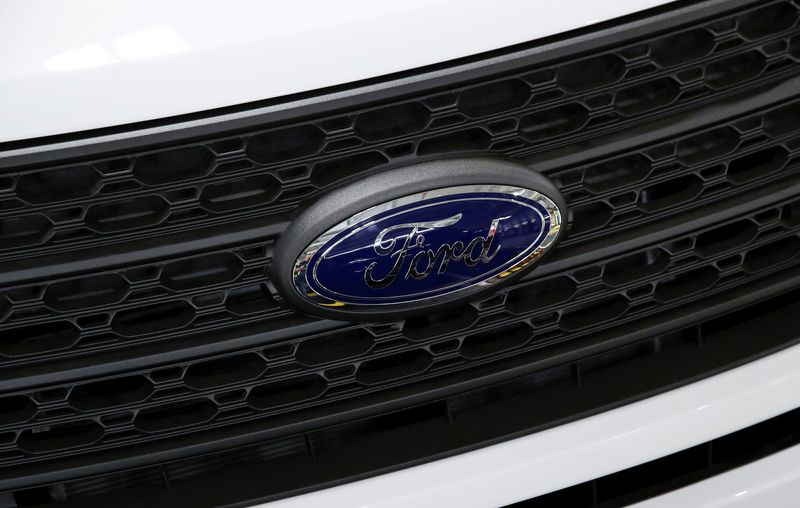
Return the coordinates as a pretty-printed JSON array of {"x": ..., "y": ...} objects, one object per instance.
[{"x": 428, "y": 245}]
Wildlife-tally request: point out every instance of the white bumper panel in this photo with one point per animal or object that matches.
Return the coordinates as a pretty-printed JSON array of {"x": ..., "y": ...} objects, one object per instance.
[
  {"x": 588, "y": 448},
  {"x": 86, "y": 64},
  {"x": 772, "y": 482}
]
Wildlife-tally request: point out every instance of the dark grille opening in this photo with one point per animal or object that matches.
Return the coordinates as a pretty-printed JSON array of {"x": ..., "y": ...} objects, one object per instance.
[
  {"x": 617, "y": 173},
  {"x": 153, "y": 318},
  {"x": 476, "y": 346},
  {"x": 247, "y": 192},
  {"x": 463, "y": 141},
  {"x": 394, "y": 367},
  {"x": 772, "y": 254},
  {"x": 173, "y": 165},
  {"x": 553, "y": 122},
  {"x": 594, "y": 313},
  {"x": 334, "y": 347},
  {"x": 286, "y": 392},
  {"x": 708, "y": 145},
  {"x": 756, "y": 165},
  {"x": 647, "y": 96},
  {"x": 636, "y": 267},
  {"x": 590, "y": 217},
  {"x": 59, "y": 437},
  {"x": 541, "y": 294},
  {"x": 201, "y": 271},
  {"x": 31, "y": 339},
  {"x": 127, "y": 214},
  {"x": 767, "y": 20},
  {"x": 783, "y": 120},
  {"x": 591, "y": 73},
  {"x": 735, "y": 69},
  {"x": 681, "y": 48},
  {"x": 15, "y": 409},
  {"x": 790, "y": 214},
  {"x": 726, "y": 238},
  {"x": 137, "y": 314},
  {"x": 24, "y": 231},
  {"x": 408, "y": 119},
  {"x": 437, "y": 323},
  {"x": 686, "y": 284},
  {"x": 670, "y": 193},
  {"x": 225, "y": 371},
  {"x": 59, "y": 185},
  {"x": 174, "y": 416},
  {"x": 331, "y": 171},
  {"x": 227, "y": 146},
  {"x": 111, "y": 393},
  {"x": 283, "y": 144},
  {"x": 250, "y": 300},
  {"x": 86, "y": 292},
  {"x": 494, "y": 98}
]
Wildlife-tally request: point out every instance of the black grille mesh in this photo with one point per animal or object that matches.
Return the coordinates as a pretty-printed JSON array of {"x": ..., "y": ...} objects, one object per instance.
[
  {"x": 299, "y": 373},
  {"x": 123, "y": 308},
  {"x": 216, "y": 291},
  {"x": 191, "y": 340},
  {"x": 655, "y": 181}
]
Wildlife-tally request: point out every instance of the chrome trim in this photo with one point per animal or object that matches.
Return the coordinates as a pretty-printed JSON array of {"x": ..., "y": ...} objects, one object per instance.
[{"x": 300, "y": 268}]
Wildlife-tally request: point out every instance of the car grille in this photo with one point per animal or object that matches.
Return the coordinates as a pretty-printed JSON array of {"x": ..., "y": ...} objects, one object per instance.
[{"x": 138, "y": 325}]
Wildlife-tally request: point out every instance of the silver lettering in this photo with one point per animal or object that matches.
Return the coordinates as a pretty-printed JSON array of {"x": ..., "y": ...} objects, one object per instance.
[{"x": 397, "y": 241}]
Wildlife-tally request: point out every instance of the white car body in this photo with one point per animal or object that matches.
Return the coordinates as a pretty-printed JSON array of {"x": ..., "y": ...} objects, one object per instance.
[
  {"x": 68, "y": 67},
  {"x": 90, "y": 64}
]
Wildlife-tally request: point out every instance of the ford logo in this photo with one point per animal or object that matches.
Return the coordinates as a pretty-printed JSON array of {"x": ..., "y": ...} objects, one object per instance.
[{"x": 426, "y": 247}]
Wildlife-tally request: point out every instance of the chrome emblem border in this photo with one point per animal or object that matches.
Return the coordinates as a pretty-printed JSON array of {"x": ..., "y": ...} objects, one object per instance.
[{"x": 301, "y": 265}]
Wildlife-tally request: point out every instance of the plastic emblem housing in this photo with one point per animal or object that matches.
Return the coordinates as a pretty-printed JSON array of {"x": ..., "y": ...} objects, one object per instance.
[{"x": 422, "y": 244}]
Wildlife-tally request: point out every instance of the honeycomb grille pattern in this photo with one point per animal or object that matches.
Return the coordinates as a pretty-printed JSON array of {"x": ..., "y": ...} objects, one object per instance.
[
  {"x": 123, "y": 308},
  {"x": 633, "y": 188},
  {"x": 267, "y": 381},
  {"x": 263, "y": 363},
  {"x": 224, "y": 290},
  {"x": 265, "y": 173}
]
